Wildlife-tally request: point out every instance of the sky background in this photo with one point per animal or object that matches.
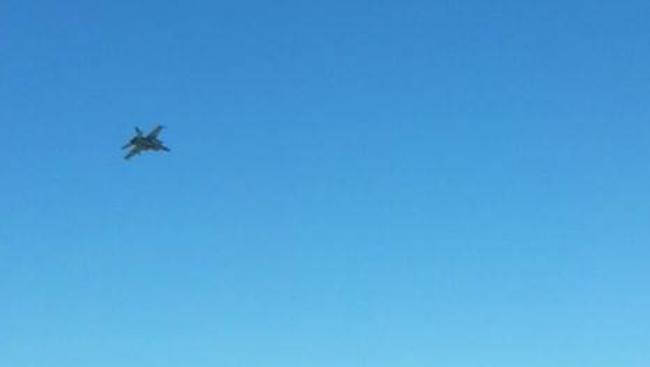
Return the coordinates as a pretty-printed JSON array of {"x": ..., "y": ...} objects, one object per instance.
[{"x": 351, "y": 183}]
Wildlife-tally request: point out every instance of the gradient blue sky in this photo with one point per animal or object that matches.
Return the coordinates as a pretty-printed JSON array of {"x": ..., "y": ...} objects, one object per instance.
[{"x": 351, "y": 183}]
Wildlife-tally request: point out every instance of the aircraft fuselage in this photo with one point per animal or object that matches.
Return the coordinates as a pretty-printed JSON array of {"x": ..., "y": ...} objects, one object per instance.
[{"x": 147, "y": 143}]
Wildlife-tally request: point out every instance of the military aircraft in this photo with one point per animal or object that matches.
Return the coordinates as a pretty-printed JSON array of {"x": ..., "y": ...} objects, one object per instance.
[{"x": 142, "y": 142}]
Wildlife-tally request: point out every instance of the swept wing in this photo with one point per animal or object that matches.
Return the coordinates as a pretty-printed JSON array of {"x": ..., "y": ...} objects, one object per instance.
[
  {"x": 154, "y": 133},
  {"x": 136, "y": 150}
]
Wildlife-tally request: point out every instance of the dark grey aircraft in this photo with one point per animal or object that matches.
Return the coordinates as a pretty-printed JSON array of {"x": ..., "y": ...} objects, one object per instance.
[{"x": 142, "y": 143}]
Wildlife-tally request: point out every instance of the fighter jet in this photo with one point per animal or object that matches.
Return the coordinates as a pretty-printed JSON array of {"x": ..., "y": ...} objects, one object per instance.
[{"x": 142, "y": 143}]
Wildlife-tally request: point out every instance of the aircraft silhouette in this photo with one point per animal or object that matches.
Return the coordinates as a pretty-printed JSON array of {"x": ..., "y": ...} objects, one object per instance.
[{"x": 141, "y": 143}]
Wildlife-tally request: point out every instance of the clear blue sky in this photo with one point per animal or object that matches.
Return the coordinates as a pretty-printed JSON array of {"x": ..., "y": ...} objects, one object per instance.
[{"x": 351, "y": 183}]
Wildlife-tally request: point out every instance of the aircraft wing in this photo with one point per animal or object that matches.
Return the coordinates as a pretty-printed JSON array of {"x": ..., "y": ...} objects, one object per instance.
[
  {"x": 132, "y": 152},
  {"x": 154, "y": 133}
]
